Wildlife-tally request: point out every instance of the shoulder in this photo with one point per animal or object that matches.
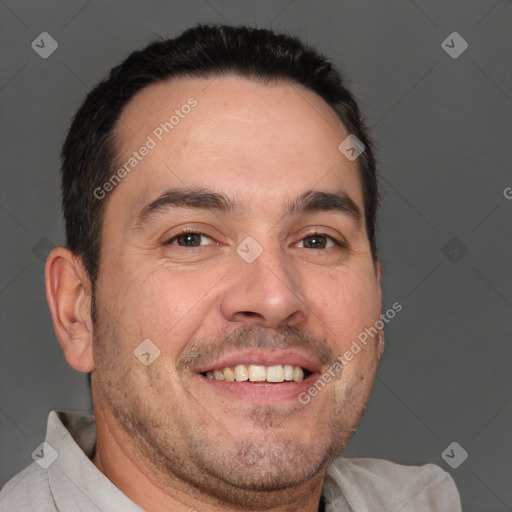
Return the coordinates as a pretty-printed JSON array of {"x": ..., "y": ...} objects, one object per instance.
[
  {"x": 27, "y": 490},
  {"x": 372, "y": 483}
]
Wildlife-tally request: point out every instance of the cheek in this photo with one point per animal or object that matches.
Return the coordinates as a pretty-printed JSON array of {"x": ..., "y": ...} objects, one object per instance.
[
  {"x": 349, "y": 302},
  {"x": 165, "y": 306}
]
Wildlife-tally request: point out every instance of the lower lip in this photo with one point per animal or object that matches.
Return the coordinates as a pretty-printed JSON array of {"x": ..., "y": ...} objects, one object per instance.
[{"x": 260, "y": 392}]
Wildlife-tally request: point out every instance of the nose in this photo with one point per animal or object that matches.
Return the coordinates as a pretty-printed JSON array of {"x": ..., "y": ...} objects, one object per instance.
[{"x": 266, "y": 292}]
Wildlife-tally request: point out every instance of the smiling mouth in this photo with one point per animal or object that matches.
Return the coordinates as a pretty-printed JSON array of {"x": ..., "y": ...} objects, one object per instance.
[{"x": 275, "y": 374}]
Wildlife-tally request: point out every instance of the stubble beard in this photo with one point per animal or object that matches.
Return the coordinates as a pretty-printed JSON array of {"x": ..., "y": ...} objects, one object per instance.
[{"x": 186, "y": 450}]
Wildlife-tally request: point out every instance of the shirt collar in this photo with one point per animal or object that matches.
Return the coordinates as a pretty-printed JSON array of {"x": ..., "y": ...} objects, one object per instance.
[{"x": 75, "y": 480}]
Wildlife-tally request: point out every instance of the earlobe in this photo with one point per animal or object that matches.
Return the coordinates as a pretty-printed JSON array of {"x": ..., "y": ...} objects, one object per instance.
[
  {"x": 381, "y": 331},
  {"x": 379, "y": 270},
  {"x": 68, "y": 292},
  {"x": 381, "y": 343}
]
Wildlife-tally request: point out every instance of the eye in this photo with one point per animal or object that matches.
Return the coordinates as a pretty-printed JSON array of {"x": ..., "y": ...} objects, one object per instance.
[
  {"x": 188, "y": 239},
  {"x": 195, "y": 239},
  {"x": 319, "y": 241}
]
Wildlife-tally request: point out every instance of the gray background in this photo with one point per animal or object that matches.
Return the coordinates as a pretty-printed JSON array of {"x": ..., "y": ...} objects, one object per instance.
[{"x": 443, "y": 133}]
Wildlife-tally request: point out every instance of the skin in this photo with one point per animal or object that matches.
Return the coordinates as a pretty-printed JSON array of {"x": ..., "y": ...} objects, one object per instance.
[{"x": 166, "y": 438}]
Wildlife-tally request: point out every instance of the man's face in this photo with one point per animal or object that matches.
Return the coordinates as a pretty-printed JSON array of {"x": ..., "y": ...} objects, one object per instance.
[{"x": 210, "y": 300}]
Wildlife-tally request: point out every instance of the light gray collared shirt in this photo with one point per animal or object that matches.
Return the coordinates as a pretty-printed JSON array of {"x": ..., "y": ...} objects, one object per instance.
[{"x": 64, "y": 479}]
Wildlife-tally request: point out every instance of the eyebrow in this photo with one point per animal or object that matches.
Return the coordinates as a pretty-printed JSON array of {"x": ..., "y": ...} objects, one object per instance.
[{"x": 206, "y": 199}]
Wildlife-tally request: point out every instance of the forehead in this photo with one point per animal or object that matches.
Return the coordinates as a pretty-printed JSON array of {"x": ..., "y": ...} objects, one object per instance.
[{"x": 257, "y": 141}]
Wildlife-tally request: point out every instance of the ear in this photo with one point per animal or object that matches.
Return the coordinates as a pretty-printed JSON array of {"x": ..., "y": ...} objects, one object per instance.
[
  {"x": 379, "y": 270},
  {"x": 378, "y": 273},
  {"x": 68, "y": 291},
  {"x": 382, "y": 343}
]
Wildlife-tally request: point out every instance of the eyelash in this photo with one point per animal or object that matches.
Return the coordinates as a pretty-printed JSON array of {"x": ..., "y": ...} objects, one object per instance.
[{"x": 192, "y": 232}]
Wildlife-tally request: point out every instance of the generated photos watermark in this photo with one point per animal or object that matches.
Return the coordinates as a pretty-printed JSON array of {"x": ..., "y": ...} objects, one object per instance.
[
  {"x": 152, "y": 140},
  {"x": 357, "y": 345}
]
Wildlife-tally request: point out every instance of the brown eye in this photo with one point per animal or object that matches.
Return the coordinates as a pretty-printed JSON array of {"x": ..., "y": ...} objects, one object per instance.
[
  {"x": 319, "y": 241},
  {"x": 188, "y": 239}
]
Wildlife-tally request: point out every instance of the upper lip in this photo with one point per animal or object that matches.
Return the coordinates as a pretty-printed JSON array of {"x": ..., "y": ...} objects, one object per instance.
[{"x": 264, "y": 358}]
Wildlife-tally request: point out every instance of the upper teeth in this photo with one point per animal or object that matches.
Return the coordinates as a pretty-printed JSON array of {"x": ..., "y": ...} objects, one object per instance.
[{"x": 256, "y": 373}]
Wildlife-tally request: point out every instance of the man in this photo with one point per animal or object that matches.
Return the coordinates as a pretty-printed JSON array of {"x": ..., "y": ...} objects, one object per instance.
[{"x": 220, "y": 195}]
